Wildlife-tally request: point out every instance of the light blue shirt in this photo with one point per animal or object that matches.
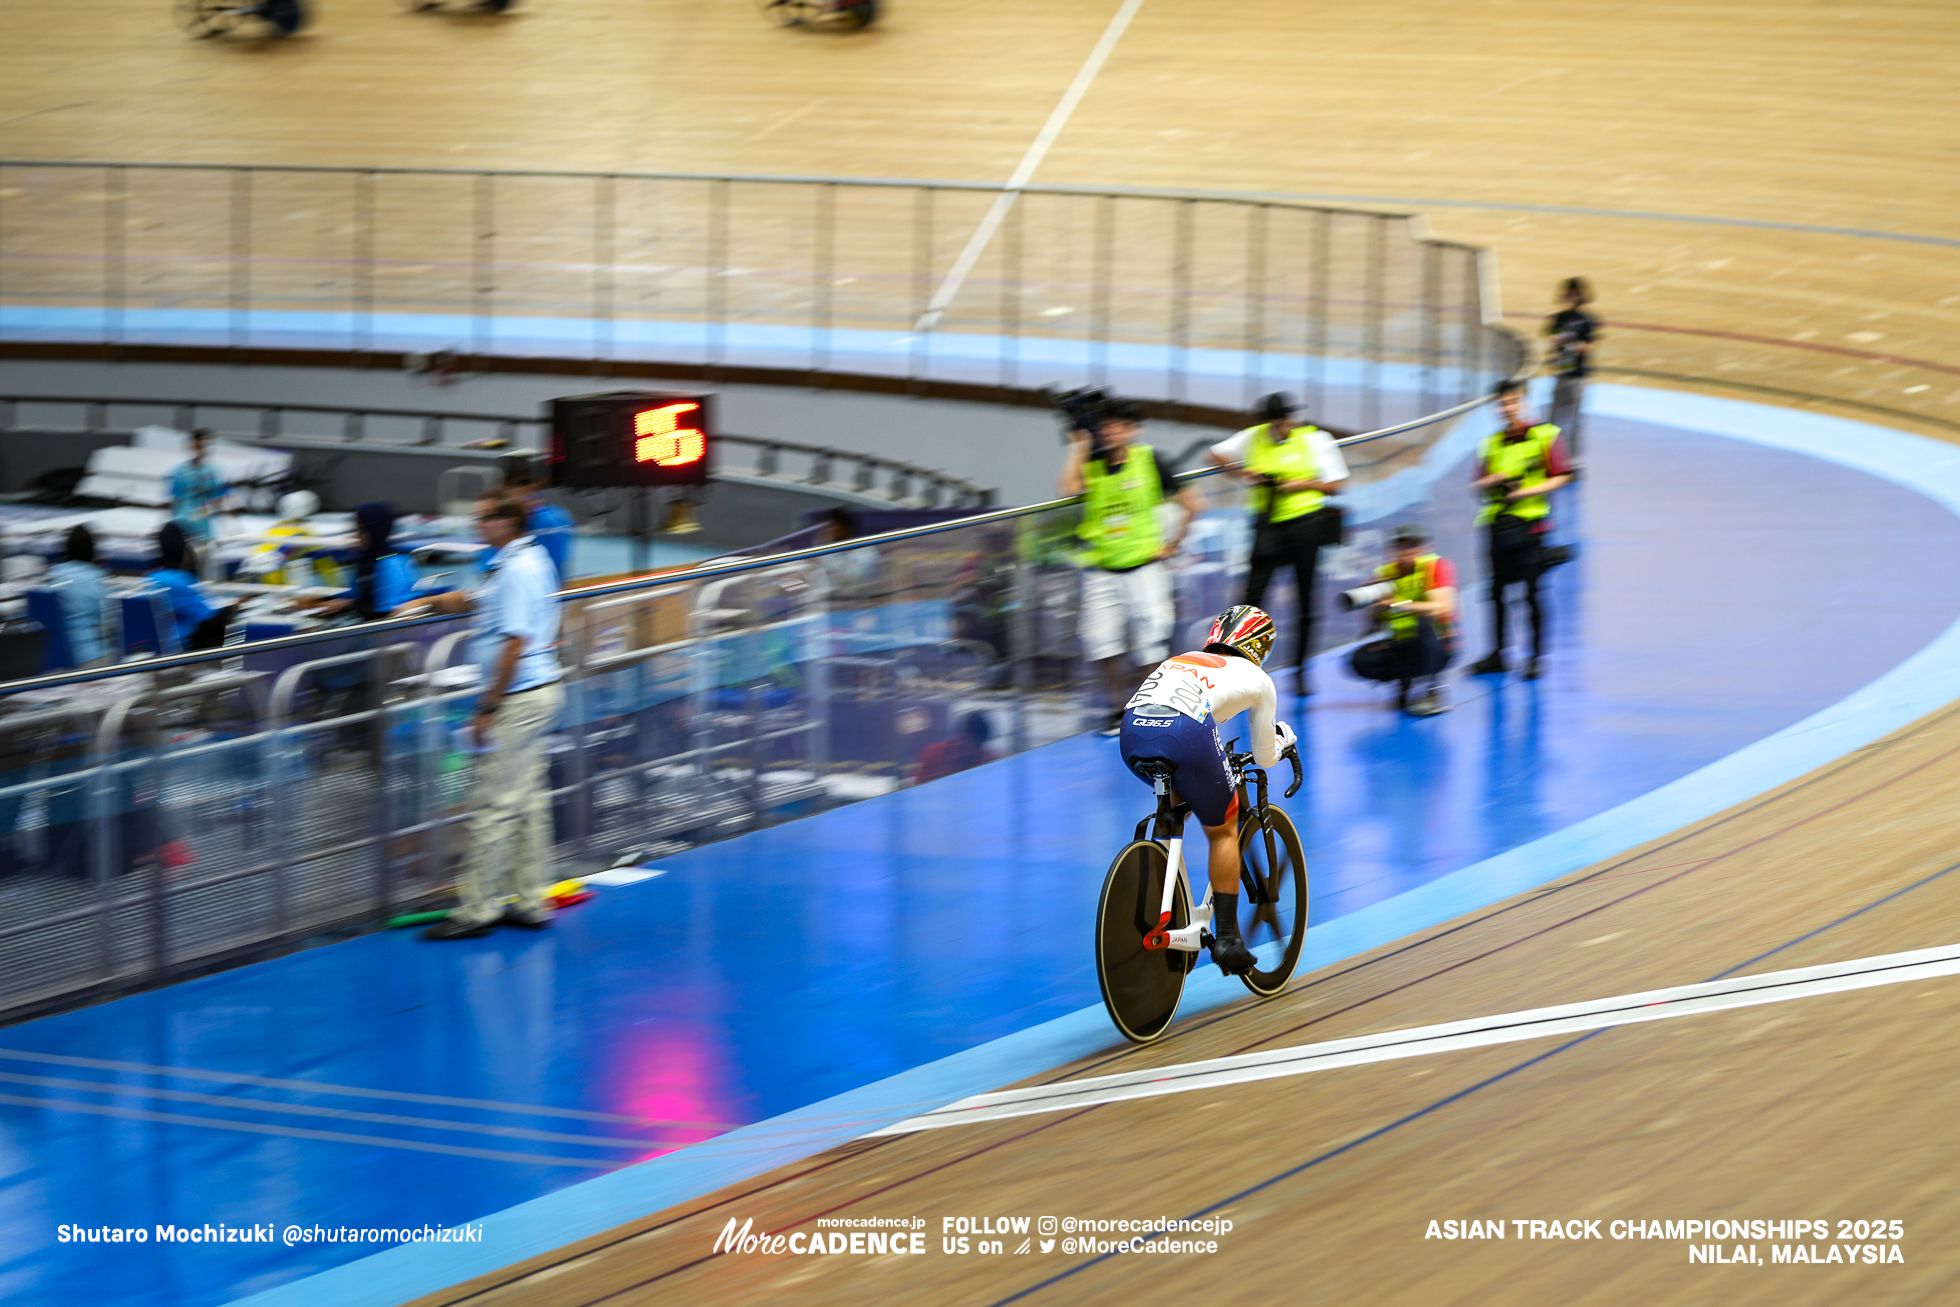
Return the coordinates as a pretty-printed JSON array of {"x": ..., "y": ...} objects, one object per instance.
[
  {"x": 78, "y": 588},
  {"x": 187, "y": 604},
  {"x": 195, "y": 490},
  {"x": 515, "y": 599}
]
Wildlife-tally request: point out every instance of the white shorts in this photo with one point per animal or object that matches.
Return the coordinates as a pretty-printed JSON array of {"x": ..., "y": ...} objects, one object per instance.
[{"x": 1127, "y": 610}]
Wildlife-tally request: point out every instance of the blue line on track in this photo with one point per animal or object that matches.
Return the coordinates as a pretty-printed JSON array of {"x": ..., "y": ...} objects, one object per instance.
[{"x": 1460, "y": 1094}]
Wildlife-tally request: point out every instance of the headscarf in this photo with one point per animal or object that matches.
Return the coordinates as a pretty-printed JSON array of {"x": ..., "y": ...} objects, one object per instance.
[
  {"x": 376, "y": 520},
  {"x": 173, "y": 546}
]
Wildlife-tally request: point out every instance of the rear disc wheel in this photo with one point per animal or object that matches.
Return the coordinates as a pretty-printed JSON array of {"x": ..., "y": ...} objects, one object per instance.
[{"x": 1140, "y": 987}]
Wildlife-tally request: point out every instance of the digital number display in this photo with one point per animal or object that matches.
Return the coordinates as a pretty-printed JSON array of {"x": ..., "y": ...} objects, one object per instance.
[{"x": 669, "y": 436}]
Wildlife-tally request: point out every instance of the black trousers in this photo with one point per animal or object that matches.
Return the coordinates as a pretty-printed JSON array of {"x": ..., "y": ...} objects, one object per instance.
[
  {"x": 1511, "y": 567},
  {"x": 1292, "y": 544}
]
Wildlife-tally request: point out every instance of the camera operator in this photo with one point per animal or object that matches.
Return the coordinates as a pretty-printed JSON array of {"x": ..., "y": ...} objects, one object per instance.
[
  {"x": 1292, "y": 467},
  {"x": 1126, "y": 588},
  {"x": 1516, "y": 472},
  {"x": 1572, "y": 330},
  {"x": 1418, "y": 618}
]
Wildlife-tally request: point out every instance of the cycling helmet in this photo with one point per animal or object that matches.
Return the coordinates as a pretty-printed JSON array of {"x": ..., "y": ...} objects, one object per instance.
[{"x": 1243, "y": 630}]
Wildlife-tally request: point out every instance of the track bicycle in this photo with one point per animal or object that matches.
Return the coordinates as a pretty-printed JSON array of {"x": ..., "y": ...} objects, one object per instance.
[
  {"x": 1148, "y": 936},
  {"x": 209, "y": 18},
  {"x": 456, "y": 6},
  {"x": 819, "y": 13}
]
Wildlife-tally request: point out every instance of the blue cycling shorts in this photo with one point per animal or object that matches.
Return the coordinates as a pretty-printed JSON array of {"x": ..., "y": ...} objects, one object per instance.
[{"x": 1203, "y": 779}]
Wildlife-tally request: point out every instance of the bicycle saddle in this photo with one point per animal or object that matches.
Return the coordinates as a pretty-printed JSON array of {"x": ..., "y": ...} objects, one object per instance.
[{"x": 1154, "y": 768}]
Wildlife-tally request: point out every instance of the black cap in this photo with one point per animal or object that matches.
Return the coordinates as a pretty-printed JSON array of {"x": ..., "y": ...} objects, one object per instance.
[
  {"x": 1410, "y": 534},
  {"x": 1277, "y": 405}
]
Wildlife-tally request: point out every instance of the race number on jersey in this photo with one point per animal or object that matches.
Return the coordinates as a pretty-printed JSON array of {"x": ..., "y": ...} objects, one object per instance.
[{"x": 1179, "y": 685}]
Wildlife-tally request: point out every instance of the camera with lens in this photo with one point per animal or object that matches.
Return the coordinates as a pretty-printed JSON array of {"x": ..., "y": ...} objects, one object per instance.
[
  {"x": 1366, "y": 596},
  {"x": 1091, "y": 409},
  {"x": 1502, "y": 490}
]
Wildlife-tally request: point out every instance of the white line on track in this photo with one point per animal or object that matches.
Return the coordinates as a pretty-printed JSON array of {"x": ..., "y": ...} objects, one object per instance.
[
  {"x": 984, "y": 233},
  {"x": 1509, "y": 1027}
]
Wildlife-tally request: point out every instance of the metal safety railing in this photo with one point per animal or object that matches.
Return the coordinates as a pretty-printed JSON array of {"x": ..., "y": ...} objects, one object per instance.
[
  {"x": 1169, "y": 295},
  {"x": 164, "y": 813},
  {"x": 337, "y": 426}
]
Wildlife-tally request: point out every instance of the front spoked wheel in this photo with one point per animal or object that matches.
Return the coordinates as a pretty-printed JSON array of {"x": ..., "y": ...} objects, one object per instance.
[
  {"x": 1272, "y": 899},
  {"x": 790, "y": 13},
  {"x": 204, "y": 19},
  {"x": 1140, "y": 987}
]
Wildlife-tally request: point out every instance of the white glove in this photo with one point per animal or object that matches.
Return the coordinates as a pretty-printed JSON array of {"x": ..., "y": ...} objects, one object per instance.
[{"x": 1286, "y": 737}]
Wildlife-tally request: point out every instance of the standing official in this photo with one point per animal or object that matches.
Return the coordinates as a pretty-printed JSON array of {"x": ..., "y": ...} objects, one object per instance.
[
  {"x": 513, "y": 640},
  {"x": 1126, "y": 587},
  {"x": 1516, "y": 473},
  {"x": 1572, "y": 331},
  {"x": 1292, "y": 467},
  {"x": 197, "y": 493}
]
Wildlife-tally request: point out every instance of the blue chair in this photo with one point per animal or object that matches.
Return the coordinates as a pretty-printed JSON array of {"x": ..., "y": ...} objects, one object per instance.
[
  {"x": 147, "y": 623},
  {"x": 44, "y": 606}
]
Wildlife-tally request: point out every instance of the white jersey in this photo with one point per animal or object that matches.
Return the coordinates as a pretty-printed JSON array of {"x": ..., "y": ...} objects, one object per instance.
[{"x": 1216, "y": 688}]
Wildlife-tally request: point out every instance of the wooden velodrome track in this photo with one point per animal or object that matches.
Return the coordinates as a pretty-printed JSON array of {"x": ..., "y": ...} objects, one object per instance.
[{"x": 1762, "y": 191}]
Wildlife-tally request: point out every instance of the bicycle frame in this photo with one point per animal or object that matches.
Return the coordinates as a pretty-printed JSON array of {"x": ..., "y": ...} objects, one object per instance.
[{"x": 1169, "y": 831}]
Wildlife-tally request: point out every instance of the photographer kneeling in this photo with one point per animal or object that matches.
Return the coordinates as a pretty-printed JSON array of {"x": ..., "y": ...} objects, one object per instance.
[
  {"x": 1414, "y": 598},
  {"x": 1126, "y": 589}
]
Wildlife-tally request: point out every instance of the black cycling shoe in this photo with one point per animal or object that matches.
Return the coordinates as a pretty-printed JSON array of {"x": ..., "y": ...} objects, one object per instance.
[
  {"x": 1232, "y": 956},
  {"x": 1489, "y": 666}
]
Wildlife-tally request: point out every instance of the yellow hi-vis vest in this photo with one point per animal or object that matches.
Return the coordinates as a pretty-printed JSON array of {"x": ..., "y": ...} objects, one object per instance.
[
  {"x": 1291, "y": 461},
  {"x": 1528, "y": 462},
  {"x": 1413, "y": 588},
  {"x": 1119, "y": 511}
]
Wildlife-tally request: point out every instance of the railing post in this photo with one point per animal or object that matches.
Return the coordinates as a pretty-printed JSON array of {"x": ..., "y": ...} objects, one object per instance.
[
  {"x": 353, "y": 427},
  {"x": 1432, "y": 311},
  {"x": 241, "y": 257},
  {"x": 1375, "y": 273},
  {"x": 603, "y": 220},
  {"x": 1180, "y": 301},
  {"x": 823, "y": 299},
  {"x": 1314, "y": 382},
  {"x": 922, "y": 287},
  {"x": 115, "y": 233},
  {"x": 362, "y": 340},
  {"x": 1105, "y": 257},
  {"x": 271, "y": 422},
  {"x": 482, "y": 303},
  {"x": 1010, "y": 295},
  {"x": 717, "y": 343},
  {"x": 432, "y": 429},
  {"x": 1255, "y": 303}
]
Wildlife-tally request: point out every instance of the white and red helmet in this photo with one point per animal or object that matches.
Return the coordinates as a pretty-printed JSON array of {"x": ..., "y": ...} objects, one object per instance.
[{"x": 1243, "y": 630}]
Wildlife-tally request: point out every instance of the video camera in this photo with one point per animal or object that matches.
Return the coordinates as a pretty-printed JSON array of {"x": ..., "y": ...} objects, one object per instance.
[{"x": 1087, "y": 408}]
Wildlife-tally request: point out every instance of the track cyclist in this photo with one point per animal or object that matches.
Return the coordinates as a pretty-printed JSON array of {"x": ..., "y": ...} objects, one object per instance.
[{"x": 1174, "y": 717}]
